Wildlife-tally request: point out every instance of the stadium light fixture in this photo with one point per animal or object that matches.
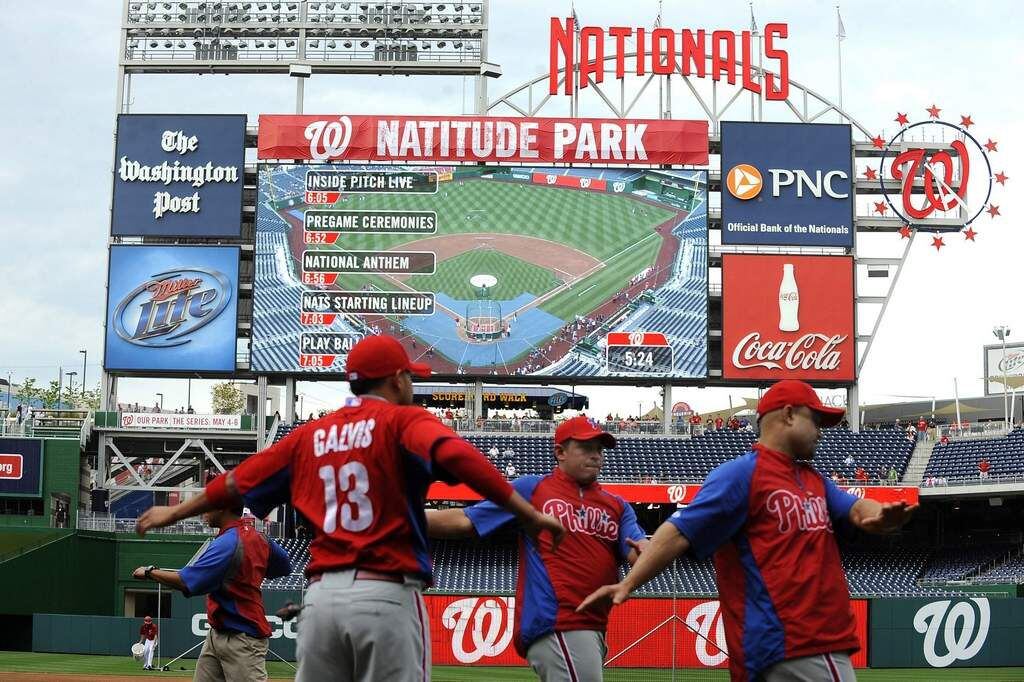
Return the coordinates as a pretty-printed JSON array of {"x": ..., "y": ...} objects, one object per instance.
[{"x": 1001, "y": 332}]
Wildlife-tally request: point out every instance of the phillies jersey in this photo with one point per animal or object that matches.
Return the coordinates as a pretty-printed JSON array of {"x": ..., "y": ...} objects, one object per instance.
[
  {"x": 768, "y": 521},
  {"x": 550, "y": 584},
  {"x": 360, "y": 476},
  {"x": 230, "y": 572}
]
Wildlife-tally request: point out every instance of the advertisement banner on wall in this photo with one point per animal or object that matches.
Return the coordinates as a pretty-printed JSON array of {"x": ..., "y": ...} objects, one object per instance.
[
  {"x": 642, "y": 633},
  {"x": 178, "y": 175},
  {"x": 172, "y": 308},
  {"x": 788, "y": 317},
  {"x": 676, "y": 493},
  {"x": 21, "y": 467},
  {"x": 942, "y": 633},
  {"x": 186, "y": 422},
  {"x": 1003, "y": 366},
  {"x": 787, "y": 183},
  {"x": 482, "y": 138}
]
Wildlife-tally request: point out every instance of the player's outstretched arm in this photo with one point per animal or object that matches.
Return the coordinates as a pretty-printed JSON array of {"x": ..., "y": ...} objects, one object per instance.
[
  {"x": 158, "y": 516},
  {"x": 666, "y": 544},
  {"x": 875, "y": 517},
  {"x": 449, "y": 524}
]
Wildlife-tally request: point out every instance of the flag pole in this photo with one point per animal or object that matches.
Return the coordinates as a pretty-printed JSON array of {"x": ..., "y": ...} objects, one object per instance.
[{"x": 840, "y": 35}]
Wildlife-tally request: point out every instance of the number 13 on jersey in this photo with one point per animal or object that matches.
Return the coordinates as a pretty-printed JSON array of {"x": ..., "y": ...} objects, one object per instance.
[{"x": 345, "y": 499}]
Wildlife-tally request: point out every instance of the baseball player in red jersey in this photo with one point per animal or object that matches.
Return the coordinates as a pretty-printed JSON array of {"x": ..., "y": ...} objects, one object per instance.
[
  {"x": 767, "y": 517},
  {"x": 561, "y": 644},
  {"x": 360, "y": 476}
]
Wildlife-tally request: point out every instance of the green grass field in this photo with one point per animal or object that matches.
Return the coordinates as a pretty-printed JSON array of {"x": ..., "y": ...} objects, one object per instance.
[
  {"x": 110, "y": 667},
  {"x": 612, "y": 228},
  {"x": 514, "y": 276},
  {"x": 596, "y": 223}
]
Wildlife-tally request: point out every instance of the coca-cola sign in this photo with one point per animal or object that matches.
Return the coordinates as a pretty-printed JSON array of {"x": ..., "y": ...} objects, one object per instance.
[{"x": 788, "y": 317}]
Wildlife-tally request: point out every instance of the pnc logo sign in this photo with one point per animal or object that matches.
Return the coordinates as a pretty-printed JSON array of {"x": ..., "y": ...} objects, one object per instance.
[{"x": 745, "y": 182}]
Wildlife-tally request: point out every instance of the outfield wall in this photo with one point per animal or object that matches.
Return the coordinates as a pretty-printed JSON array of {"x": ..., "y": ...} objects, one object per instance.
[{"x": 655, "y": 633}]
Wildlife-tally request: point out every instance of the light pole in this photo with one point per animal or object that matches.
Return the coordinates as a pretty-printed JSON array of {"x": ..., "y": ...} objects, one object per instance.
[
  {"x": 1001, "y": 332},
  {"x": 85, "y": 356},
  {"x": 71, "y": 382},
  {"x": 161, "y": 396},
  {"x": 60, "y": 384}
]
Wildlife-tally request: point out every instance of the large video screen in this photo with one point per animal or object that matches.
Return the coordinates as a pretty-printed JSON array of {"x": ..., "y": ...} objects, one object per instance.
[{"x": 483, "y": 270}]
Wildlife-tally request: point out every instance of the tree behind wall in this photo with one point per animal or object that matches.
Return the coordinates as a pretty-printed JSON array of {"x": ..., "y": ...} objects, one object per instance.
[{"x": 227, "y": 398}]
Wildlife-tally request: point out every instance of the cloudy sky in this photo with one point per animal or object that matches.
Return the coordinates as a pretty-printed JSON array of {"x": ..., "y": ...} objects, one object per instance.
[{"x": 58, "y": 119}]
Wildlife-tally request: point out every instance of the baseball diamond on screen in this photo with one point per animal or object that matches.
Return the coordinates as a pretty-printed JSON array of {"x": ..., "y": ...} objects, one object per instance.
[{"x": 533, "y": 268}]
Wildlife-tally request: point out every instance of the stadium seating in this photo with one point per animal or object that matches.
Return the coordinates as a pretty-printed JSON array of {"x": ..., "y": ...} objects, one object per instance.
[
  {"x": 961, "y": 562},
  {"x": 958, "y": 459},
  {"x": 1009, "y": 571},
  {"x": 690, "y": 460},
  {"x": 298, "y": 551}
]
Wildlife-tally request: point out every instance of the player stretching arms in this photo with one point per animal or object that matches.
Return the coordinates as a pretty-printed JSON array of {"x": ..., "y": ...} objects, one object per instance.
[
  {"x": 360, "y": 476},
  {"x": 767, "y": 517},
  {"x": 561, "y": 644}
]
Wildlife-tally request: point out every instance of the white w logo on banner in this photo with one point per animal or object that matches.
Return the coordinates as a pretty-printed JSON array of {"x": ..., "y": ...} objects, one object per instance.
[
  {"x": 959, "y": 647},
  {"x": 701, "y": 619},
  {"x": 328, "y": 139},
  {"x": 487, "y": 622}
]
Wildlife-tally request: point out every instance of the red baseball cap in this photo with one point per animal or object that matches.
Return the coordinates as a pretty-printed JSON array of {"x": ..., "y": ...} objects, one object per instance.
[
  {"x": 375, "y": 357},
  {"x": 797, "y": 394},
  {"x": 581, "y": 428}
]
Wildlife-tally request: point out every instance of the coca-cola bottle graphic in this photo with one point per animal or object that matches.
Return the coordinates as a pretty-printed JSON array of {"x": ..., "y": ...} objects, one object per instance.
[{"x": 789, "y": 301}]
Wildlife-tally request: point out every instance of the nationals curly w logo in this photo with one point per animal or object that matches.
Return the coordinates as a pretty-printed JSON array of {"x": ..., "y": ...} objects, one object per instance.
[
  {"x": 481, "y": 626},
  {"x": 711, "y": 648},
  {"x": 961, "y": 640}
]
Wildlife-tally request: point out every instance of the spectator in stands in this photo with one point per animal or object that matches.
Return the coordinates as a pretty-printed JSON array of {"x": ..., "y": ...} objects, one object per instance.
[
  {"x": 848, "y": 461},
  {"x": 508, "y": 453},
  {"x": 493, "y": 452},
  {"x": 897, "y": 425},
  {"x": 983, "y": 467},
  {"x": 861, "y": 475},
  {"x": 911, "y": 432},
  {"x": 510, "y": 470},
  {"x": 834, "y": 476},
  {"x": 191, "y": 411},
  {"x": 156, "y": 407},
  {"x": 147, "y": 638},
  {"x": 944, "y": 440},
  {"x": 230, "y": 572},
  {"x": 734, "y": 424},
  {"x": 718, "y": 423},
  {"x": 695, "y": 422},
  {"x": 922, "y": 429},
  {"x": 603, "y": 532},
  {"x": 708, "y": 425},
  {"x": 19, "y": 415},
  {"x": 893, "y": 476},
  {"x": 768, "y": 518}
]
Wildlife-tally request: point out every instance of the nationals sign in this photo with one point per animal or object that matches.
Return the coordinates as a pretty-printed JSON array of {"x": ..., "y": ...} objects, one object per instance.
[
  {"x": 482, "y": 138},
  {"x": 642, "y": 633},
  {"x": 788, "y": 317}
]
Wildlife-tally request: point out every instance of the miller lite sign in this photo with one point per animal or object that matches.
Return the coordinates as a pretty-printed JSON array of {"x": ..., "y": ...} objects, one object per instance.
[
  {"x": 172, "y": 308},
  {"x": 788, "y": 317}
]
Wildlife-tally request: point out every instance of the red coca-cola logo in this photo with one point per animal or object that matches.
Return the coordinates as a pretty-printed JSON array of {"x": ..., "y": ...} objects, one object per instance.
[{"x": 788, "y": 317}]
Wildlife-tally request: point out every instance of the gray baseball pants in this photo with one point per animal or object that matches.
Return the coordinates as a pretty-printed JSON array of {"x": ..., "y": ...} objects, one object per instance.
[
  {"x": 363, "y": 631},
  {"x": 835, "y": 667},
  {"x": 572, "y": 656}
]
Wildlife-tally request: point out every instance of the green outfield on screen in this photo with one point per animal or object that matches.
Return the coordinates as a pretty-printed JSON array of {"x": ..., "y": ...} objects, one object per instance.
[
  {"x": 614, "y": 229},
  {"x": 110, "y": 667},
  {"x": 596, "y": 223}
]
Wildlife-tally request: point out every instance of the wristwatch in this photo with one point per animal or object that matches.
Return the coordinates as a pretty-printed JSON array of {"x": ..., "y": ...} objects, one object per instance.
[{"x": 149, "y": 571}]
